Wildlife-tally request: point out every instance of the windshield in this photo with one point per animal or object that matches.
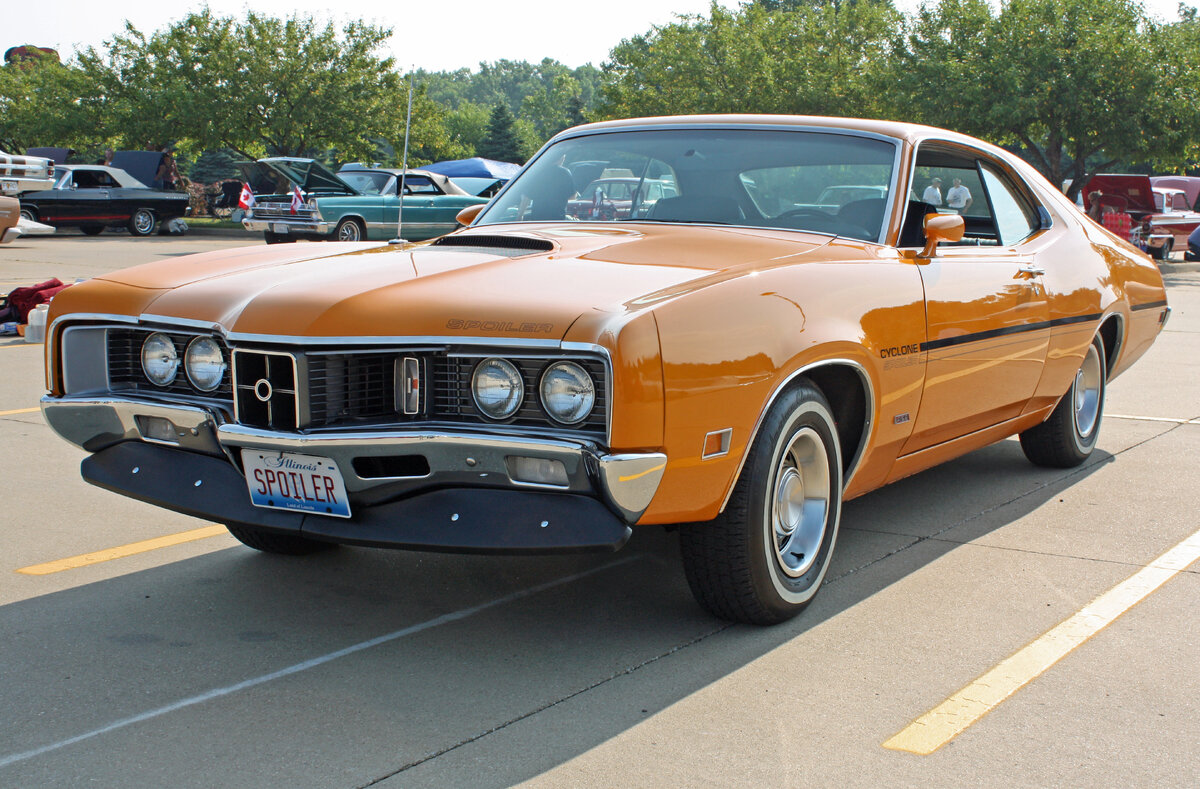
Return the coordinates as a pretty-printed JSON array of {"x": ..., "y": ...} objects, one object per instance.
[
  {"x": 746, "y": 177},
  {"x": 368, "y": 183}
]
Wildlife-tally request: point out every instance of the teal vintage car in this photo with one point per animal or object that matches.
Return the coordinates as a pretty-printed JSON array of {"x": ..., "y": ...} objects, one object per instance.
[{"x": 351, "y": 205}]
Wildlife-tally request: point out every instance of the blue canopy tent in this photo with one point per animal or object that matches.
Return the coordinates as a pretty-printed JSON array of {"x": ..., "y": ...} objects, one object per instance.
[
  {"x": 478, "y": 176},
  {"x": 475, "y": 167}
]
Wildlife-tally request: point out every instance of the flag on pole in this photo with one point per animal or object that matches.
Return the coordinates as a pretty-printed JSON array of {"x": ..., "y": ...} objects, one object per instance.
[
  {"x": 297, "y": 199},
  {"x": 246, "y": 199}
]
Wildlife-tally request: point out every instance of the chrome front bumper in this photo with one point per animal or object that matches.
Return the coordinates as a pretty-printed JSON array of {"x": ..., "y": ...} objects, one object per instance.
[
  {"x": 456, "y": 459},
  {"x": 297, "y": 226}
]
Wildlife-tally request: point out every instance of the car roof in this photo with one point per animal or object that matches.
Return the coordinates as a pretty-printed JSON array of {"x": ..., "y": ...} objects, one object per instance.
[
  {"x": 912, "y": 132},
  {"x": 120, "y": 176}
]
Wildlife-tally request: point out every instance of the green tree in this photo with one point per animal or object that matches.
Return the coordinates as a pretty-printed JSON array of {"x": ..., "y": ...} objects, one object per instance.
[
  {"x": 257, "y": 86},
  {"x": 1080, "y": 85},
  {"x": 46, "y": 103},
  {"x": 501, "y": 141},
  {"x": 810, "y": 59}
]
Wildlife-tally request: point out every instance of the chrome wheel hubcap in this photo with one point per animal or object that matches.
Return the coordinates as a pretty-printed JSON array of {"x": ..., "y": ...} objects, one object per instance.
[
  {"x": 800, "y": 504},
  {"x": 143, "y": 221},
  {"x": 1085, "y": 393},
  {"x": 349, "y": 232}
]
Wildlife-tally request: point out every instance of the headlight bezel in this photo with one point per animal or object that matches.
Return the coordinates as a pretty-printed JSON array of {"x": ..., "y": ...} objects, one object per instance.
[
  {"x": 580, "y": 373},
  {"x": 192, "y": 377},
  {"x": 175, "y": 361},
  {"x": 516, "y": 377}
]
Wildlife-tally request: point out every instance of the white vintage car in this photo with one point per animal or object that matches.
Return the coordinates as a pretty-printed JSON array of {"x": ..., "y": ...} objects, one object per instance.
[{"x": 24, "y": 173}]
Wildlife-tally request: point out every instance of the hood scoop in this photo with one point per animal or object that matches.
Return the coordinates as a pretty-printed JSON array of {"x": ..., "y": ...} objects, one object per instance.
[{"x": 505, "y": 246}]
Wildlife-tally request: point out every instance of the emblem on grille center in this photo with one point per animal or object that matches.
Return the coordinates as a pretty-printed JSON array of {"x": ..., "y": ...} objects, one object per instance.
[{"x": 262, "y": 389}]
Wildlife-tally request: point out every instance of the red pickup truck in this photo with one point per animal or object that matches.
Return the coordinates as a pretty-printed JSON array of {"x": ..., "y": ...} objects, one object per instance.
[{"x": 1171, "y": 217}]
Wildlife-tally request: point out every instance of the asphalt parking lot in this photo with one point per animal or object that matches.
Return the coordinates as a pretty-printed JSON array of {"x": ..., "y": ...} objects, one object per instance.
[{"x": 985, "y": 623}]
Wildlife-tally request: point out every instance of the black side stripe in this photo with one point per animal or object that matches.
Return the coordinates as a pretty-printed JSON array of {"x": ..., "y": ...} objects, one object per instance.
[
  {"x": 933, "y": 345},
  {"x": 1150, "y": 305}
]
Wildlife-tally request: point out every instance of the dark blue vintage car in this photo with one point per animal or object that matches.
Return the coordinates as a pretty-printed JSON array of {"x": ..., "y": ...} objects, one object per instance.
[{"x": 92, "y": 197}]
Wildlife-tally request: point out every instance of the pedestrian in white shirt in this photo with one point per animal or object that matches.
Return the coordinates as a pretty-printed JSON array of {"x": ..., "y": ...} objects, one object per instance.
[
  {"x": 958, "y": 196},
  {"x": 933, "y": 192}
]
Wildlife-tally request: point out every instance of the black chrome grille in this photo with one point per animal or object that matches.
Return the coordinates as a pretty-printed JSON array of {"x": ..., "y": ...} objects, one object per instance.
[
  {"x": 361, "y": 388},
  {"x": 124, "y": 347},
  {"x": 266, "y": 392}
]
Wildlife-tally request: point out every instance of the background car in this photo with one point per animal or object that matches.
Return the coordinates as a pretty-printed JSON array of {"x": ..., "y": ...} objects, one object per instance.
[
  {"x": 1171, "y": 218},
  {"x": 92, "y": 197},
  {"x": 619, "y": 197},
  {"x": 24, "y": 174},
  {"x": 353, "y": 205},
  {"x": 734, "y": 364}
]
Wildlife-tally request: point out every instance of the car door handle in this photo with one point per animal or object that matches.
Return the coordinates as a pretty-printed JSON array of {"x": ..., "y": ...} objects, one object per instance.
[{"x": 1029, "y": 272}]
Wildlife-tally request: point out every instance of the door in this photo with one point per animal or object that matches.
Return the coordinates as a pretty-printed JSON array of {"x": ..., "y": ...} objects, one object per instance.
[{"x": 987, "y": 312}]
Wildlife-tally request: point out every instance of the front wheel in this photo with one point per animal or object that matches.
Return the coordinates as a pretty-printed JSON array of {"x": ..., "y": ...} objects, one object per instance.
[
  {"x": 272, "y": 542},
  {"x": 91, "y": 230},
  {"x": 143, "y": 222},
  {"x": 1069, "y": 435},
  {"x": 762, "y": 560},
  {"x": 348, "y": 230}
]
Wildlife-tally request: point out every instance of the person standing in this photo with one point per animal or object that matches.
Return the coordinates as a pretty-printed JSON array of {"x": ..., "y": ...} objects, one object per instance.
[
  {"x": 933, "y": 193},
  {"x": 959, "y": 197}
]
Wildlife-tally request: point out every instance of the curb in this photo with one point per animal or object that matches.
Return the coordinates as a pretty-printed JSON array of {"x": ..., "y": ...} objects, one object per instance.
[{"x": 1167, "y": 267}]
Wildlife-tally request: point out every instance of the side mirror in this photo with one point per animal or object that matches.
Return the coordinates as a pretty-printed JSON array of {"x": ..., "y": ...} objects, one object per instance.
[
  {"x": 939, "y": 228},
  {"x": 466, "y": 216}
]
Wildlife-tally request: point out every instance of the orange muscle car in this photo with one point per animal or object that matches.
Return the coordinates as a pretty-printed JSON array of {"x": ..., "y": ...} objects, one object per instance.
[{"x": 739, "y": 357}]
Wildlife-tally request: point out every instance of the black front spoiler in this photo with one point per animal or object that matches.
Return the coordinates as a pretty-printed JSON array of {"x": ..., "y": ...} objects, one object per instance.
[{"x": 457, "y": 520}]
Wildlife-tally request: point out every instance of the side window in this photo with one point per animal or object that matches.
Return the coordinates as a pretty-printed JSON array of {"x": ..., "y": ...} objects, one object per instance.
[
  {"x": 1013, "y": 217},
  {"x": 1178, "y": 203}
]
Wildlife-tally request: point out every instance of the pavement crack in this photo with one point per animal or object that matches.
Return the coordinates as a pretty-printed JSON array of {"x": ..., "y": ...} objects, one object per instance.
[{"x": 625, "y": 672}]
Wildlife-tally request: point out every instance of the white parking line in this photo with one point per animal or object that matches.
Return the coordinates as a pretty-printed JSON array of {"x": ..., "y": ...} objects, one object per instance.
[
  {"x": 1155, "y": 419},
  {"x": 217, "y": 693}
]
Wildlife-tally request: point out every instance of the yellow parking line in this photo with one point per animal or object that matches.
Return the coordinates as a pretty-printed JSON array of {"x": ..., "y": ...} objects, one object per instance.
[
  {"x": 107, "y": 555},
  {"x": 22, "y": 344},
  {"x": 950, "y": 718},
  {"x": 19, "y": 411}
]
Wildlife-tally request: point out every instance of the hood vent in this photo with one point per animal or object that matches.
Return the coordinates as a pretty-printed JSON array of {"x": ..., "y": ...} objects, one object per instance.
[{"x": 509, "y": 246}]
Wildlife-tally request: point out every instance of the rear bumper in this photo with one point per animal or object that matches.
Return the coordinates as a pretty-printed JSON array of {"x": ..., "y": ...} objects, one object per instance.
[{"x": 456, "y": 470}]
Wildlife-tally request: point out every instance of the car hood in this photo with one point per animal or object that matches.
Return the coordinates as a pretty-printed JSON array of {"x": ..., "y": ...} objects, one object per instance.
[
  {"x": 531, "y": 284},
  {"x": 311, "y": 176}
]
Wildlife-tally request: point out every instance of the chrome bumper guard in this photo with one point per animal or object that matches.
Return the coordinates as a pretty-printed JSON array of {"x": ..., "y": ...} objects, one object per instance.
[{"x": 626, "y": 482}]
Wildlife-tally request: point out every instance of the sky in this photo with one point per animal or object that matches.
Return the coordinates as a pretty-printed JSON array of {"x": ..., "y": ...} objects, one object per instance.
[{"x": 572, "y": 33}]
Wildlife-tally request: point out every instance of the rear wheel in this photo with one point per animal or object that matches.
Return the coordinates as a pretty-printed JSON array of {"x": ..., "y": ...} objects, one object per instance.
[
  {"x": 143, "y": 222},
  {"x": 1069, "y": 435},
  {"x": 92, "y": 230},
  {"x": 763, "y": 559},
  {"x": 272, "y": 542}
]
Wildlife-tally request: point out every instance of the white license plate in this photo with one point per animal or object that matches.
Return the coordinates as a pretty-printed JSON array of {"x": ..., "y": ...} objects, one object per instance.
[
  {"x": 279, "y": 227},
  {"x": 287, "y": 481},
  {"x": 8, "y": 186}
]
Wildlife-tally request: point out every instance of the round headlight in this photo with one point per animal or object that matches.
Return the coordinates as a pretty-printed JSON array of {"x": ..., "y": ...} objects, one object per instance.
[
  {"x": 568, "y": 393},
  {"x": 498, "y": 388},
  {"x": 160, "y": 360},
  {"x": 205, "y": 364}
]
